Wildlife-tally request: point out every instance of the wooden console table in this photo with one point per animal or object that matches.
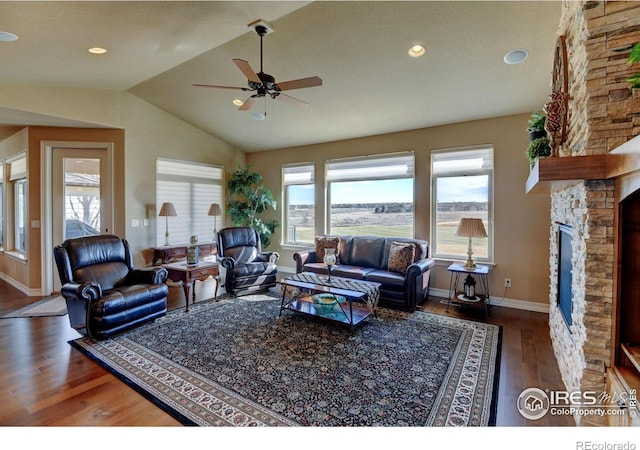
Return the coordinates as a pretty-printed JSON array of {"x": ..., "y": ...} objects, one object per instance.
[
  {"x": 171, "y": 253},
  {"x": 190, "y": 273}
]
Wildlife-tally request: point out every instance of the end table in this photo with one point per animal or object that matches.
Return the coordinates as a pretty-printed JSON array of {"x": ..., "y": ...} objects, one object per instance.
[
  {"x": 457, "y": 297},
  {"x": 190, "y": 273}
]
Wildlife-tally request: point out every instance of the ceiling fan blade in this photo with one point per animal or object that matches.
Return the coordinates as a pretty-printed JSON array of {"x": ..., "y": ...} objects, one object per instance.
[
  {"x": 222, "y": 87},
  {"x": 291, "y": 100},
  {"x": 248, "y": 103},
  {"x": 247, "y": 70},
  {"x": 298, "y": 84}
]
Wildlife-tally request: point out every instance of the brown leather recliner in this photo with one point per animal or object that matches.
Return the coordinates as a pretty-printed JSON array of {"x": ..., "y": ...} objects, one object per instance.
[
  {"x": 105, "y": 295},
  {"x": 249, "y": 269}
]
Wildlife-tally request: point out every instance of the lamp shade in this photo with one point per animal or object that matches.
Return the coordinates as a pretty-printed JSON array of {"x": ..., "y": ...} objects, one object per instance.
[
  {"x": 471, "y": 228},
  {"x": 214, "y": 209},
  {"x": 167, "y": 210}
]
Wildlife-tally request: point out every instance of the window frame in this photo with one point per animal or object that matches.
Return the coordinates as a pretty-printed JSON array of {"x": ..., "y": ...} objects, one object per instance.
[
  {"x": 16, "y": 170},
  {"x": 294, "y": 168},
  {"x": 369, "y": 163},
  {"x": 463, "y": 172}
]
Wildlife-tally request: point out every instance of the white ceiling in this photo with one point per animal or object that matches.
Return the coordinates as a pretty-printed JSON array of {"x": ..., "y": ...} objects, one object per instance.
[{"x": 157, "y": 50}]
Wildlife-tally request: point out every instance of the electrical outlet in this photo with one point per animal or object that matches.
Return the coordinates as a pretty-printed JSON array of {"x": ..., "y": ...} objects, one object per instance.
[{"x": 507, "y": 282}]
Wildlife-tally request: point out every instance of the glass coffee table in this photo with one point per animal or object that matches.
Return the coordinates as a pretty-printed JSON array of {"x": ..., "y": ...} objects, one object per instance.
[{"x": 340, "y": 300}]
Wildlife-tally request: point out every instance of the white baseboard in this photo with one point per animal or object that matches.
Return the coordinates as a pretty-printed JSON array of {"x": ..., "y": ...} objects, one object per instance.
[
  {"x": 504, "y": 302},
  {"x": 21, "y": 287}
]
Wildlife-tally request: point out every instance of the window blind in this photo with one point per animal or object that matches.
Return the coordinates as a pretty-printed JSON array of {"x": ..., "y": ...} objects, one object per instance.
[
  {"x": 462, "y": 161},
  {"x": 18, "y": 168},
  {"x": 298, "y": 174},
  {"x": 400, "y": 165},
  {"x": 191, "y": 187}
]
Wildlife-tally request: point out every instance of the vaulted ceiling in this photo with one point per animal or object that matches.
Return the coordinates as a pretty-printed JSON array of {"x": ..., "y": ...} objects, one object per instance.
[{"x": 158, "y": 50}]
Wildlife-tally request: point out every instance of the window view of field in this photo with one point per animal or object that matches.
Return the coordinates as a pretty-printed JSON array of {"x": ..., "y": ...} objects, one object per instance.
[
  {"x": 356, "y": 219},
  {"x": 447, "y": 220},
  {"x": 393, "y": 220}
]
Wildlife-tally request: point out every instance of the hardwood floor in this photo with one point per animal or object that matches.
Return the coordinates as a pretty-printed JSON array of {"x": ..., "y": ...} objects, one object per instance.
[{"x": 45, "y": 382}]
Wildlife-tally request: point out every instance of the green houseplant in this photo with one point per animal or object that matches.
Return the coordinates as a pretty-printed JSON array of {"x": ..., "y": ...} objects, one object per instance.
[
  {"x": 250, "y": 198},
  {"x": 536, "y": 125},
  {"x": 634, "y": 57},
  {"x": 538, "y": 148}
]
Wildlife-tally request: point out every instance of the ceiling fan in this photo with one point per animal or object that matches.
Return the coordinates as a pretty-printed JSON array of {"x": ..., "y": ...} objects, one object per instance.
[{"x": 264, "y": 84}]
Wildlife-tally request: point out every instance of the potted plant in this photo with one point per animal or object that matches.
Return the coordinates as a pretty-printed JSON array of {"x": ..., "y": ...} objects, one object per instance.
[
  {"x": 250, "y": 199},
  {"x": 538, "y": 148},
  {"x": 536, "y": 125},
  {"x": 634, "y": 57}
]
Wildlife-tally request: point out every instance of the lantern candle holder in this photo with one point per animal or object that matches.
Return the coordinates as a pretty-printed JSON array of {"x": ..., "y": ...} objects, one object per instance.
[{"x": 330, "y": 259}]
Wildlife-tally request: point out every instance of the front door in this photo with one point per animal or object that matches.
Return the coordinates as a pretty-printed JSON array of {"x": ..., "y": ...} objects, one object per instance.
[{"x": 81, "y": 194}]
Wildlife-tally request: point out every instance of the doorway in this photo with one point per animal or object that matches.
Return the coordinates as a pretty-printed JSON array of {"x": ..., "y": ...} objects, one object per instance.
[{"x": 79, "y": 201}]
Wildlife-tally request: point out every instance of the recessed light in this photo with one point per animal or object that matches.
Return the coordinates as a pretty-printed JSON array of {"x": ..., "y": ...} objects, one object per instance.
[
  {"x": 5, "y": 36},
  {"x": 416, "y": 50},
  {"x": 237, "y": 102},
  {"x": 97, "y": 50},
  {"x": 516, "y": 56}
]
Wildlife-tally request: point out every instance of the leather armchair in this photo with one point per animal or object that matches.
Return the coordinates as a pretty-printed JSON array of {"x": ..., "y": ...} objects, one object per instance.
[
  {"x": 249, "y": 269},
  {"x": 105, "y": 295}
]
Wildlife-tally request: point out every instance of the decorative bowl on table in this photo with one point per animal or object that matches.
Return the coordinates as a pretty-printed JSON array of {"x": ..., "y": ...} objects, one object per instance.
[{"x": 326, "y": 303}]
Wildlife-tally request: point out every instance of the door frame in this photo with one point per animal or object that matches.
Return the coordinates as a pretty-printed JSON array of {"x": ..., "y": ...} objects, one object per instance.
[{"x": 46, "y": 194}]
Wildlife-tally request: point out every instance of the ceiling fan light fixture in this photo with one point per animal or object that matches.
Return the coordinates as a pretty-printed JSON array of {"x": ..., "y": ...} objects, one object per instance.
[
  {"x": 416, "y": 50},
  {"x": 5, "y": 36},
  {"x": 258, "y": 116},
  {"x": 515, "y": 56}
]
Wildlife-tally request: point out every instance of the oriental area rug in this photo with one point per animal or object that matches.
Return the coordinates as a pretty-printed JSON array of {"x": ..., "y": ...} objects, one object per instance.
[{"x": 236, "y": 362}]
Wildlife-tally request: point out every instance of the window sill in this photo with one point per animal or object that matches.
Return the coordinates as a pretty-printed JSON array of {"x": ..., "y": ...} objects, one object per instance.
[
  {"x": 16, "y": 255},
  {"x": 297, "y": 247}
]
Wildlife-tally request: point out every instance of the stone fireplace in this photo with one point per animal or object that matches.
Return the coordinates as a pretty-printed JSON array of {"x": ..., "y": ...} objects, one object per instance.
[{"x": 604, "y": 115}]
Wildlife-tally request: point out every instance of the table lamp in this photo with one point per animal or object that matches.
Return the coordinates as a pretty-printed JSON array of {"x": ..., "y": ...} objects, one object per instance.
[
  {"x": 167, "y": 210},
  {"x": 470, "y": 227},
  {"x": 215, "y": 211}
]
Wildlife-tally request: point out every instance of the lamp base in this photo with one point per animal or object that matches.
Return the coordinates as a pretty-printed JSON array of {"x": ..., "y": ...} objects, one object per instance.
[{"x": 469, "y": 264}]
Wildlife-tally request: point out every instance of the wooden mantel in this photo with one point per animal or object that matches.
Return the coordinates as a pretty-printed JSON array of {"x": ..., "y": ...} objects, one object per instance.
[{"x": 554, "y": 173}]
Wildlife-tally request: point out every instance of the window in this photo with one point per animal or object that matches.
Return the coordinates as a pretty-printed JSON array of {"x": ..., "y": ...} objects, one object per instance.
[
  {"x": 299, "y": 203},
  {"x": 192, "y": 188},
  {"x": 18, "y": 197},
  {"x": 371, "y": 196},
  {"x": 462, "y": 186}
]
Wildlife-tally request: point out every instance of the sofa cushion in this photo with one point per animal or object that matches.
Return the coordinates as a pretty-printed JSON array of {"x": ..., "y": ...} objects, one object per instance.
[
  {"x": 389, "y": 280},
  {"x": 353, "y": 272},
  {"x": 324, "y": 242},
  {"x": 401, "y": 256},
  {"x": 367, "y": 251}
]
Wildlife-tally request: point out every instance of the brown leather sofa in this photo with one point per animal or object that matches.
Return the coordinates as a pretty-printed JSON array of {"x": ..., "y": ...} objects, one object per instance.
[
  {"x": 105, "y": 295},
  {"x": 249, "y": 269},
  {"x": 366, "y": 258}
]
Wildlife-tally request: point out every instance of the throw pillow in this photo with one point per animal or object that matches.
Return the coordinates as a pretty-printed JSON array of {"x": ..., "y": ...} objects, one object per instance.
[
  {"x": 323, "y": 242},
  {"x": 401, "y": 256}
]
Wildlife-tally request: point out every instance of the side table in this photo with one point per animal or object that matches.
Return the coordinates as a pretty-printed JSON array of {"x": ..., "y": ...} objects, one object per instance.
[
  {"x": 190, "y": 273},
  {"x": 456, "y": 296}
]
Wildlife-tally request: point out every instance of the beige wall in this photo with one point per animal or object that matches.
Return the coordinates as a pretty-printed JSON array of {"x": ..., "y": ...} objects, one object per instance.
[
  {"x": 148, "y": 133},
  {"x": 521, "y": 225}
]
